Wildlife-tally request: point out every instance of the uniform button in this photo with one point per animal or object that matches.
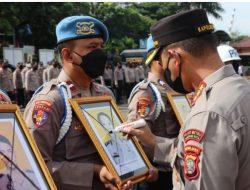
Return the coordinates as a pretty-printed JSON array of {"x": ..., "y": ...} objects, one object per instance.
[{"x": 243, "y": 119}]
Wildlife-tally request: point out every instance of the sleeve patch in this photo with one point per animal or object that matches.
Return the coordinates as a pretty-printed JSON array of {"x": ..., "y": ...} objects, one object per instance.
[
  {"x": 191, "y": 162},
  {"x": 41, "y": 112},
  {"x": 143, "y": 107},
  {"x": 193, "y": 134}
]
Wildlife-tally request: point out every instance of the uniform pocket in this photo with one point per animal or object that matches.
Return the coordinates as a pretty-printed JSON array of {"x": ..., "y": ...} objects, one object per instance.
[
  {"x": 78, "y": 145},
  {"x": 238, "y": 123}
]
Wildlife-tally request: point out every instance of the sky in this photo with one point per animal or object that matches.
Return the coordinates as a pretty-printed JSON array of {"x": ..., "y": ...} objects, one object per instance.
[{"x": 241, "y": 22}]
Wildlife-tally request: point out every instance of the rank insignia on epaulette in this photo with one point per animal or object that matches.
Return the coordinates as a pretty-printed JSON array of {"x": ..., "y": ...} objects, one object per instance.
[
  {"x": 85, "y": 28},
  {"x": 143, "y": 107},
  {"x": 191, "y": 162},
  {"x": 193, "y": 134},
  {"x": 202, "y": 85},
  {"x": 41, "y": 112}
]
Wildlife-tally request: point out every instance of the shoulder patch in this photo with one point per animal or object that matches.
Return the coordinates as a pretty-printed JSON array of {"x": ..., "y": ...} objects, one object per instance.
[
  {"x": 3, "y": 99},
  {"x": 193, "y": 134},
  {"x": 143, "y": 106},
  {"x": 191, "y": 162},
  {"x": 41, "y": 112}
]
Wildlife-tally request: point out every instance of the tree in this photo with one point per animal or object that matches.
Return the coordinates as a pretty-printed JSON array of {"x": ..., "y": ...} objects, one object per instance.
[
  {"x": 236, "y": 36},
  {"x": 126, "y": 22}
]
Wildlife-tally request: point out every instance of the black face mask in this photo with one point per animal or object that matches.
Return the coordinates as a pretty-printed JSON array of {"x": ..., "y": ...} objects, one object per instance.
[
  {"x": 177, "y": 84},
  {"x": 93, "y": 63}
]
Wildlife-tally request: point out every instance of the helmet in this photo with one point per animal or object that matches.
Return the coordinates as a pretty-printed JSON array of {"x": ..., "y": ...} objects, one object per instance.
[{"x": 227, "y": 53}]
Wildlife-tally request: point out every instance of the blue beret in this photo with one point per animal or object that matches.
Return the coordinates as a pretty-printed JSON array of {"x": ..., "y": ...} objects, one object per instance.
[
  {"x": 150, "y": 43},
  {"x": 151, "y": 50},
  {"x": 77, "y": 27}
]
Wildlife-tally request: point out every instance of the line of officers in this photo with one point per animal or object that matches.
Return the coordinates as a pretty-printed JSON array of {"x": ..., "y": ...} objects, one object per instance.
[
  {"x": 21, "y": 83},
  {"x": 122, "y": 79}
]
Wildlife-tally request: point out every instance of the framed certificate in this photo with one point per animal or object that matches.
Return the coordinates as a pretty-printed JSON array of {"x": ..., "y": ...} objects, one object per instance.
[
  {"x": 180, "y": 106},
  {"x": 123, "y": 158},
  {"x": 21, "y": 164}
]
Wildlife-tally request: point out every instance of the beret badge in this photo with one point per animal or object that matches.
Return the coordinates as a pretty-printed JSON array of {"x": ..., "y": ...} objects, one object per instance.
[{"x": 85, "y": 28}]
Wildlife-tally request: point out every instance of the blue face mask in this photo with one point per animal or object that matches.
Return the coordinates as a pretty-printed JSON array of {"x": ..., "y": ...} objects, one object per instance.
[{"x": 177, "y": 84}]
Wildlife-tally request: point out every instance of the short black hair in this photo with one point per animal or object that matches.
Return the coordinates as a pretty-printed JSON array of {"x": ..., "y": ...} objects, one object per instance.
[
  {"x": 66, "y": 44},
  {"x": 198, "y": 46}
]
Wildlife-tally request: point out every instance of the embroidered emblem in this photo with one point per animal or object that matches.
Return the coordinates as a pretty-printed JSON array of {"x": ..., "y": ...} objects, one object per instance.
[
  {"x": 143, "y": 106},
  {"x": 41, "y": 112},
  {"x": 191, "y": 168},
  {"x": 198, "y": 92},
  {"x": 3, "y": 100},
  {"x": 193, "y": 134},
  {"x": 192, "y": 149},
  {"x": 85, "y": 28},
  {"x": 191, "y": 162}
]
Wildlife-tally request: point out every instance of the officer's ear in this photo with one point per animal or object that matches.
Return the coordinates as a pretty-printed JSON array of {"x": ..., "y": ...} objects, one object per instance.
[
  {"x": 174, "y": 57},
  {"x": 66, "y": 55}
]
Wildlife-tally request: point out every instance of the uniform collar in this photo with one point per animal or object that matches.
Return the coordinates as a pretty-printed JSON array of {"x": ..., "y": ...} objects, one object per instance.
[
  {"x": 153, "y": 77},
  {"x": 95, "y": 89},
  {"x": 75, "y": 90},
  {"x": 220, "y": 74}
]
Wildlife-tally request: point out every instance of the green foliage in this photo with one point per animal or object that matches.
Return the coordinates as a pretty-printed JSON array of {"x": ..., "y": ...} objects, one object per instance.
[
  {"x": 126, "y": 22},
  {"x": 236, "y": 36}
]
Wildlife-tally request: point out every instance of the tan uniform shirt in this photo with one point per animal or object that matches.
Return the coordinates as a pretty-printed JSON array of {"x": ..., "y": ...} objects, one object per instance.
[
  {"x": 143, "y": 105},
  {"x": 126, "y": 74},
  {"x": 31, "y": 80},
  {"x": 17, "y": 79},
  {"x": 141, "y": 73},
  {"x": 6, "y": 82},
  {"x": 71, "y": 162},
  {"x": 213, "y": 149},
  {"x": 40, "y": 74},
  {"x": 118, "y": 75},
  {"x": 131, "y": 75},
  {"x": 45, "y": 74},
  {"x": 137, "y": 74},
  {"x": 53, "y": 73},
  {"x": 23, "y": 73},
  {"x": 108, "y": 74}
]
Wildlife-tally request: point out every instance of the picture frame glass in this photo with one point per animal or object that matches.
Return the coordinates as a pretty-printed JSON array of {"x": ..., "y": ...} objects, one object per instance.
[
  {"x": 182, "y": 106},
  {"x": 122, "y": 153},
  {"x": 19, "y": 167}
]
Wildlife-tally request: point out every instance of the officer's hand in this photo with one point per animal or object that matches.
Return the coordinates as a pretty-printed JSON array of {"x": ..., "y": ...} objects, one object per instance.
[
  {"x": 153, "y": 174},
  {"x": 109, "y": 180},
  {"x": 143, "y": 134}
]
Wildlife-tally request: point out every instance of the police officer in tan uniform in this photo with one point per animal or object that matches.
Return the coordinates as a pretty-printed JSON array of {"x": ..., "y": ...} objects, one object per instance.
[
  {"x": 53, "y": 71},
  {"x": 212, "y": 150},
  {"x": 18, "y": 85},
  {"x": 45, "y": 72},
  {"x": 64, "y": 144},
  {"x": 31, "y": 81},
  {"x": 108, "y": 76},
  {"x": 119, "y": 82},
  {"x": 6, "y": 82},
  {"x": 148, "y": 100}
]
